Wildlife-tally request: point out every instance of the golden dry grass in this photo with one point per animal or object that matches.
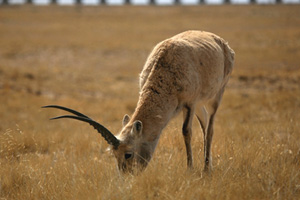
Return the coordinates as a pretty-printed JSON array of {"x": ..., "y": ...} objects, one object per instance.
[{"x": 89, "y": 58}]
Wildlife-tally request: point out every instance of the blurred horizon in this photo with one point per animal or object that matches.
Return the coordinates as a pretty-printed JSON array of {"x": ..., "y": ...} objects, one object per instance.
[{"x": 147, "y": 2}]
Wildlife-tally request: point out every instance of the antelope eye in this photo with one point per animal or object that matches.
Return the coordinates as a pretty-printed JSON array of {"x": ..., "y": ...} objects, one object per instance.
[{"x": 128, "y": 155}]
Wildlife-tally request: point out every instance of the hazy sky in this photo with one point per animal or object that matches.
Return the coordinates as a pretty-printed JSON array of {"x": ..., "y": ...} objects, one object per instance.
[{"x": 145, "y": 2}]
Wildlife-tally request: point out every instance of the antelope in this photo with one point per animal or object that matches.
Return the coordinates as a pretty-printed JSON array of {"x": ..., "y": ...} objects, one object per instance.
[{"x": 187, "y": 72}]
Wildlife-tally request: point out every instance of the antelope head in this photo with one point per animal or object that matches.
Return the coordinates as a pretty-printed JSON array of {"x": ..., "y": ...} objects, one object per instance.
[{"x": 128, "y": 148}]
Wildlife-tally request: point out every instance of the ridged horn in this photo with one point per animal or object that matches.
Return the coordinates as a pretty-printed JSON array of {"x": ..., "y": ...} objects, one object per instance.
[{"x": 106, "y": 134}]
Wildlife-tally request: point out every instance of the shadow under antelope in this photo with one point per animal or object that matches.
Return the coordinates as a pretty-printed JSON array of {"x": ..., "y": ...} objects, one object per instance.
[{"x": 188, "y": 73}]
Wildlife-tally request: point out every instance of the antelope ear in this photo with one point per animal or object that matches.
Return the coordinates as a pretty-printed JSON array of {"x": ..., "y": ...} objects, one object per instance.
[
  {"x": 126, "y": 119},
  {"x": 137, "y": 128},
  {"x": 109, "y": 150}
]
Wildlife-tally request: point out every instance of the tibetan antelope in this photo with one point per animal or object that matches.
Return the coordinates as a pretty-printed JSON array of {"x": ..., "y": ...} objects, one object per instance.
[{"x": 187, "y": 72}]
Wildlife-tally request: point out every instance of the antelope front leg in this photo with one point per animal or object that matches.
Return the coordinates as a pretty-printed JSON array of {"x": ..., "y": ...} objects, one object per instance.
[{"x": 188, "y": 114}]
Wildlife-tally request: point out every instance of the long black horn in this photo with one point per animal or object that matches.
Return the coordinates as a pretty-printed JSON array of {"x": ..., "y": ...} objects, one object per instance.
[
  {"x": 108, "y": 136},
  {"x": 67, "y": 109}
]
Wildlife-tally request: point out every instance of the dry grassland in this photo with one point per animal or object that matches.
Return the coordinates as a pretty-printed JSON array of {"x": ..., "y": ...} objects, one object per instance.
[{"x": 89, "y": 58}]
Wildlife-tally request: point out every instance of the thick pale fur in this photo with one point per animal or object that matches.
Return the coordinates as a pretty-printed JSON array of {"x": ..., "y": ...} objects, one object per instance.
[{"x": 188, "y": 73}]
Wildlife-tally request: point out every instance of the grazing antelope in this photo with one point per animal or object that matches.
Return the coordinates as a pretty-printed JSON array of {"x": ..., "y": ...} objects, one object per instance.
[{"x": 187, "y": 72}]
